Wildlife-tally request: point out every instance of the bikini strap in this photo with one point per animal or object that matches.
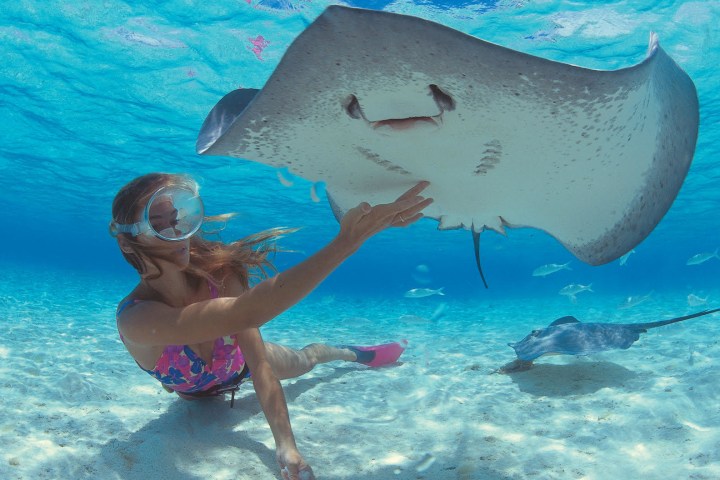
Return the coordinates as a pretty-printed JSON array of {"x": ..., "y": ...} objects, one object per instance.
[
  {"x": 126, "y": 304},
  {"x": 213, "y": 293}
]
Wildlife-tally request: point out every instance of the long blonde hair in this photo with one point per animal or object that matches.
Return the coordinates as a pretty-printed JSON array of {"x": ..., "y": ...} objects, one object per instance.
[{"x": 247, "y": 258}]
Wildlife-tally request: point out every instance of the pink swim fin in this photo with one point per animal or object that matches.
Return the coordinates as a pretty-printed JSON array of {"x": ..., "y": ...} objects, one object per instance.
[{"x": 378, "y": 355}]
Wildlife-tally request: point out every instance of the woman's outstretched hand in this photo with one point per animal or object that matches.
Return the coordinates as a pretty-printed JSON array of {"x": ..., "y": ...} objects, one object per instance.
[{"x": 364, "y": 221}]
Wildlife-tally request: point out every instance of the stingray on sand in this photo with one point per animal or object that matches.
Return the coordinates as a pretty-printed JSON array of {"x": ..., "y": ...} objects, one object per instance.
[
  {"x": 372, "y": 102},
  {"x": 568, "y": 336}
]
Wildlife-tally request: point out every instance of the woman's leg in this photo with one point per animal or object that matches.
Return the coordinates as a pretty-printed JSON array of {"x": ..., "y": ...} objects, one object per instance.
[{"x": 289, "y": 363}]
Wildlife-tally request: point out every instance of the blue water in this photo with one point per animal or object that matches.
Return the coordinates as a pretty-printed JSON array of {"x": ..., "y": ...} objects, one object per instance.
[{"x": 94, "y": 93}]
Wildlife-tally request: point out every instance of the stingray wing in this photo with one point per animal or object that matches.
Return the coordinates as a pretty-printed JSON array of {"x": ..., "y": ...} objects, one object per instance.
[
  {"x": 371, "y": 102},
  {"x": 575, "y": 338}
]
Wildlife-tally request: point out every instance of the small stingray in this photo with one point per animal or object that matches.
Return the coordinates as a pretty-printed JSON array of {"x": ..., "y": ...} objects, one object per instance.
[{"x": 568, "y": 336}]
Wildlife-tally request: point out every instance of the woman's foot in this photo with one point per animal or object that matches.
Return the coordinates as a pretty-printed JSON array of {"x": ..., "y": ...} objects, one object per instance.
[
  {"x": 321, "y": 353},
  {"x": 377, "y": 355}
]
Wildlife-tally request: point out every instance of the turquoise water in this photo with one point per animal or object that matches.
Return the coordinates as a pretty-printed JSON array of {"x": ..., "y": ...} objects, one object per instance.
[{"x": 94, "y": 93}]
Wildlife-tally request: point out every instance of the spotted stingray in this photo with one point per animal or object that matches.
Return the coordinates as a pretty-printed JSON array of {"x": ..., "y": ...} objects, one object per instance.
[
  {"x": 371, "y": 102},
  {"x": 568, "y": 336}
]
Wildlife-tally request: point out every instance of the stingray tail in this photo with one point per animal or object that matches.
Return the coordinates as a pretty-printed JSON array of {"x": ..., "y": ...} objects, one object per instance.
[
  {"x": 476, "y": 246},
  {"x": 675, "y": 320}
]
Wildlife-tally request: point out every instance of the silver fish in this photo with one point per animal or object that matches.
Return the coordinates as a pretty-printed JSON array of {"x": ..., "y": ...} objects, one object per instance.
[
  {"x": 550, "y": 268},
  {"x": 695, "y": 301},
  {"x": 423, "y": 292},
  {"x": 702, "y": 258},
  {"x": 635, "y": 300},
  {"x": 624, "y": 258},
  {"x": 575, "y": 288}
]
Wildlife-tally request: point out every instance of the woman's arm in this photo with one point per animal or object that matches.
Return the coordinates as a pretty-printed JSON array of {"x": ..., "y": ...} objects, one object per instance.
[
  {"x": 154, "y": 323},
  {"x": 272, "y": 400},
  {"x": 275, "y": 295}
]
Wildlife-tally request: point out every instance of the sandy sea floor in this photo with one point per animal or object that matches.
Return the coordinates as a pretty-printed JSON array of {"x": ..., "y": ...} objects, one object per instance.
[{"x": 76, "y": 406}]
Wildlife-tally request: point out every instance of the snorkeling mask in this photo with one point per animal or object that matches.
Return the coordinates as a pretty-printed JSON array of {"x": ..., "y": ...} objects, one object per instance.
[{"x": 174, "y": 213}]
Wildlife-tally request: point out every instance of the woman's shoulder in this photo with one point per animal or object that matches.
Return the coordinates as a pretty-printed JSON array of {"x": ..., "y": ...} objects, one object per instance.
[
  {"x": 137, "y": 297},
  {"x": 132, "y": 317},
  {"x": 130, "y": 299},
  {"x": 124, "y": 304}
]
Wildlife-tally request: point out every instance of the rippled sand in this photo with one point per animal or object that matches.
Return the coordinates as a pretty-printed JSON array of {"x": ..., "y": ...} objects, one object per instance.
[{"x": 75, "y": 405}]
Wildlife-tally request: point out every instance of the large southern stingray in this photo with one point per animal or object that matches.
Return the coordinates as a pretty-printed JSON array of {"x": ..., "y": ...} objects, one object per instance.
[
  {"x": 371, "y": 102},
  {"x": 568, "y": 336}
]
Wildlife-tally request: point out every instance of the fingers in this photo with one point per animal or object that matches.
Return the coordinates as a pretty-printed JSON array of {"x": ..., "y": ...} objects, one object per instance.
[
  {"x": 416, "y": 208},
  {"x": 304, "y": 473},
  {"x": 292, "y": 465},
  {"x": 409, "y": 203},
  {"x": 415, "y": 190},
  {"x": 406, "y": 204},
  {"x": 360, "y": 223},
  {"x": 288, "y": 474},
  {"x": 403, "y": 221},
  {"x": 364, "y": 208},
  {"x": 409, "y": 212},
  {"x": 398, "y": 213}
]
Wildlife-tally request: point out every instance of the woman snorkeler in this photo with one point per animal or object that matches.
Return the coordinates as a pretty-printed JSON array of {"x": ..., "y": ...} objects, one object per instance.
[{"x": 192, "y": 320}]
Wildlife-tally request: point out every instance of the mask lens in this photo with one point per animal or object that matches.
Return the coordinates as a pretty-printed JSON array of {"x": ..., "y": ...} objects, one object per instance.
[{"x": 175, "y": 213}]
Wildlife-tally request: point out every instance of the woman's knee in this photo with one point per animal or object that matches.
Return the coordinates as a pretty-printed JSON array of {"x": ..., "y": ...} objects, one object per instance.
[{"x": 314, "y": 353}]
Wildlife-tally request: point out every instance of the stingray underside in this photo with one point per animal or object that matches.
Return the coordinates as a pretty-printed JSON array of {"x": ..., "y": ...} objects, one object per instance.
[{"x": 372, "y": 102}]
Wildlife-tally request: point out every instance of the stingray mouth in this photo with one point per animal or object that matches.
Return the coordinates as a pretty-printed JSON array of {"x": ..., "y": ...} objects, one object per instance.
[{"x": 443, "y": 101}]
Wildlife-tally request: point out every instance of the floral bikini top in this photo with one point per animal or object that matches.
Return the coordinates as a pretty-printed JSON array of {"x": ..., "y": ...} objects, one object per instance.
[{"x": 182, "y": 370}]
